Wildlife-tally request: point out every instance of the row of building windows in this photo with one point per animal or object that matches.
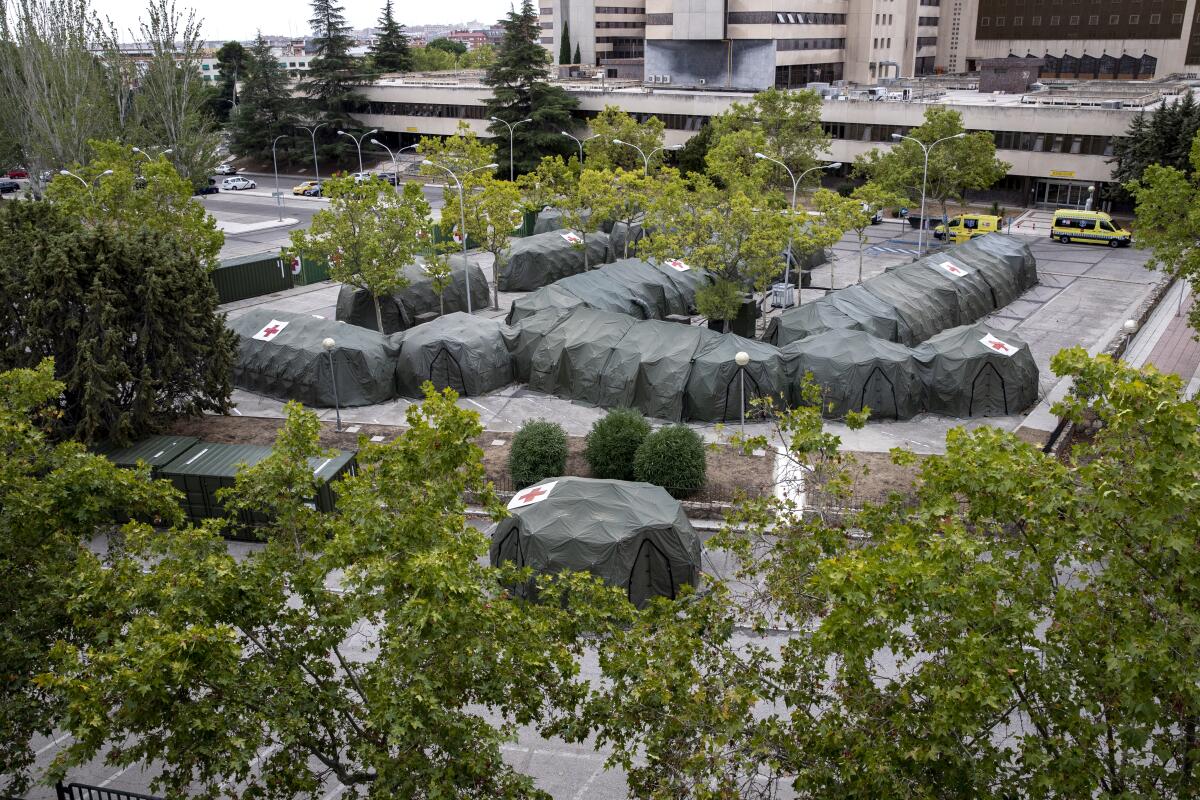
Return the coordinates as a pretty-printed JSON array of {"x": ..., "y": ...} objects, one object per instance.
[
  {"x": 927, "y": 22},
  {"x": 883, "y": 19},
  {"x": 1073, "y": 21},
  {"x": 883, "y": 41},
  {"x": 931, "y": 2},
  {"x": 546, "y": 12},
  {"x": 438, "y": 110},
  {"x": 547, "y": 40},
  {"x": 659, "y": 19},
  {"x": 797, "y": 76},
  {"x": 546, "y": 26},
  {"x": 1072, "y": 144},
  {"x": 926, "y": 41},
  {"x": 619, "y": 10},
  {"x": 783, "y": 18},
  {"x": 633, "y": 23},
  {"x": 810, "y": 44}
]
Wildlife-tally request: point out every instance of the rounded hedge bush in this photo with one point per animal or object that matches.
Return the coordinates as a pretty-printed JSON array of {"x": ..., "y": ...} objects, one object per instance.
[
  {"x": 672, "y": 457},
  {"x": 539, "y": 451},
  {"x": 613, "y": 442}
]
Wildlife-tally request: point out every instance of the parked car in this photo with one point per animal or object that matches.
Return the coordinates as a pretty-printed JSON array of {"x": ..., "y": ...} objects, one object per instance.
[
  {"x": 305, "y": 188},
  {"x": 227, "y": 169},
  {"x": 7, "y": 186},
  {"x": 359, "y": 177},
  {"x": 236, "y": 183},
  {"x": 315, "y": 191},
  {"x": 390, "y": 177},
  {"x": 207, "y": 190},
  {"x": 18, "y": 172}
]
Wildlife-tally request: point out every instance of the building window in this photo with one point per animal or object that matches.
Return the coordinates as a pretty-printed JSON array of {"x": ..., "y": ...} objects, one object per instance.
[
  {"x": 1155, "y": 19},
  {"x": 999, "y": 22},
  {"x": 1054, "y": 21},
  {"x": 1114, "y": 19},
  {"x": 1035, "y": 21},
  {"x": 1134, "y": 19},
  {"x": 1176, "y": 18},
  {"x": 1074, "y": 23},
  {"x": 1018, "y": 22},
  {"x": 984, "y": 22},
  {"x": 1094, "y": 19}
]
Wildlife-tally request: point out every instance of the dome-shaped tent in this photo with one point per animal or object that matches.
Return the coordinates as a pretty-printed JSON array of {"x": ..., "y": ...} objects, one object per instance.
[
  {"x": 458, "y": 351},
  {"x": 977, "y": 371},
  {"x": 714, "y": 388},
  {"x": 535, "y": 261},
  {"x": 856, "y": 370},
  {"x": 281, "y": 355},
  {"x": 400, "y": 309},
  {"x": 634, "y": 536}
]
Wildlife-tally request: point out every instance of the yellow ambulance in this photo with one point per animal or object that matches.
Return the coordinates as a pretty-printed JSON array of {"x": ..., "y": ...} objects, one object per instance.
[
  {"x": 967, "y": 226},
  {"x": 1090, "y": 227}
]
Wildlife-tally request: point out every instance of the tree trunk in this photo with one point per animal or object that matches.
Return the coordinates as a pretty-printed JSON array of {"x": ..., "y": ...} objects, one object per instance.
[
  {"x": 830, "y": 274},
  {"x": 378, "y": 312},
  {"x": 860, "y": 256},
  {"x": 495, "y": 281},
  {"x": 442, "y": 303}
]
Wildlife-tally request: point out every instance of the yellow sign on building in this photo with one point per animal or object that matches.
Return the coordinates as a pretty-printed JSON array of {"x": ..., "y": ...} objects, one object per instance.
[{"x": 1062, "y": 173}]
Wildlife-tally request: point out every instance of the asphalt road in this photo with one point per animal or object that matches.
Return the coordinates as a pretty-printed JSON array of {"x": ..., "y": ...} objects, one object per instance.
[{"x": 266, "y": 181}]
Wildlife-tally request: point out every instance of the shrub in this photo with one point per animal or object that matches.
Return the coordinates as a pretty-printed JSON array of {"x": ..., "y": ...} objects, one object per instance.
[
  {"x": 539, "y": 451},
  {"x": 614, "y": 441},
  {"x": 672, "y": 457}
]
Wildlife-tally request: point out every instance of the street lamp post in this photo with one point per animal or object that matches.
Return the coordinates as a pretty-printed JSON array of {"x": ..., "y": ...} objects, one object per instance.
[
  {"x": 462, "y": 212},
  {"x": 580, "y": 142},
  {"x": 742, "y": 359},
  {"x": 924, "y": 177},
  {"x": 278, "y": 193},
  {"x": 313, "y": 133},
  {"x": 89, "y": 186},
  {"x": 328, "y": 343},
  {"x": 358, "y": 143},
  {"x": 787, "y": 267},
  {"x": 147, "y": 156},
  {"x": 511, "y": 128},
  {"x": 395, "y": 163},
  {"x": 646, "y": 158}
]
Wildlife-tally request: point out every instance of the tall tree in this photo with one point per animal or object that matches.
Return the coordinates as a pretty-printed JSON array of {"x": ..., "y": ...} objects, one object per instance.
[
  {"x": 564, "y": 47},
  {"x": 129, "y": 316},
  {"x": 390, "y": 52},
  {"x": 231, "y": 61},
  {"x": 332, "y": 79},
  {"x": 493, "y": 212},
  {"x": 789, "y": 124},
  {"x": 611, "y": 124},
  {"x": 520, "y": 90},
  {"x": 369, "y": 233},
  {"x": 431, "y": 59},
  {"x": 54, "y": 498},
  {"x": 1163, "y": 137},
  {"x": 955, "y": 165},
  {"x": 450, "y": 46},
  {"x": 267, "y": 107},
  {"x": 576, "y": 59},
  {"x": 170, "y": 101}
]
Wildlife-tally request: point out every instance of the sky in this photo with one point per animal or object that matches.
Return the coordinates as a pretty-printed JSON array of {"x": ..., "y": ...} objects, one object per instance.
[{"x": 241, "y": 19}]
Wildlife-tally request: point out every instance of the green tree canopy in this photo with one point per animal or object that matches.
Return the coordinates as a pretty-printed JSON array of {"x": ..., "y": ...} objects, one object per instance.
[
  {"x": 232, "y": 58},
  {"x": 520, "y": 90},
  {"x": 430, "y": 59},
  {"x": 493, "y": 211},
  {"x": 367, "y": 235},
  {"x": 955, "y": 165},
  {"x": 332, "y": 81},
  {"x": 448, "y": 46},
  {"x": 564, "y": 48},
  {"x": 613, "y": 123},
  {"x": 1163, "y": 137},
  {"x": 789, "y": 124},
  {"x": 267, "y": 108},
  {"x": 390, "y": 51}
]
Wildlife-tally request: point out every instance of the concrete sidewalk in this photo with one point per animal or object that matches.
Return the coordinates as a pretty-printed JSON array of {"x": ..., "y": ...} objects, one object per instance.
[{"x": 1168, "y": 342}]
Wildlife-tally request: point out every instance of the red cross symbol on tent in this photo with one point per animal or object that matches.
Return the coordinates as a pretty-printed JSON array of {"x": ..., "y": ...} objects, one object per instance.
[
  {"x": 1001, "y": 347},
  {"x": 271, "y": 330},
  {"x": 535, "y": 494}
]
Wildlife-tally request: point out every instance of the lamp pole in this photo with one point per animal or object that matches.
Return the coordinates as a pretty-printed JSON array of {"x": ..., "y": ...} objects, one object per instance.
[
  {"x": 646, "y": 158},
  {"x": 787, "y": 267},
  {"x": 313, "y": 133},
  {"x": 511, "y": 128},
  {"x": 358, "y": 143},
  {"x": 395, "y": 163},
  {"x": 580, "y": 142},
  {"x": 742, "y": 359},
  {"x": 924, "y": 177},
  {"x": 147, "y": 156},
  {"x": 462, "y": 215},
  {"x": 89, "y": 186},
  {"x": 278, "y": 194},
  {"x": 328, "y": 343}
]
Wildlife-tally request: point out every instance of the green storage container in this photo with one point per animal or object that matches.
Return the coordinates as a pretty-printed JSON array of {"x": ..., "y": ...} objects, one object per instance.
[
  {"x": 444, "y": 232},
  {"x": 311, "y": 271},
  {"x": 206, "y": 468},
  {"x": 251, "y": 276},
  {"x": 156, "y": 452}
]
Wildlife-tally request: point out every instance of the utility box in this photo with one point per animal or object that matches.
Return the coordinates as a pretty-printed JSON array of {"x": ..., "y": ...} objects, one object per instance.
[
  {"x": 156, "y": 452},
  {"x": 783, "y": 295}
]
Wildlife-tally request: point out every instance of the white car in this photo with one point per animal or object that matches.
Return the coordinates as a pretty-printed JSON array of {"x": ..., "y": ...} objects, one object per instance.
[
  {"x": 359, "y": 177},
  {"x": 234, "y": 184},
  {"x": 227, "y": 169}
]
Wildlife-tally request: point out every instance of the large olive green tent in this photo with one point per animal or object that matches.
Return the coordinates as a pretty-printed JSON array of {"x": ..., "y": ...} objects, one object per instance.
[
  {"x": 855, "y": 370},
  {"x": 977, "y": 371},
  {"x": 714, "y": 387},
  {"x": 649, "y": 368},
  {"x": 633, "y": 536},
  {"x": 281, "y": 355},
  {"x": 458, "y": 351},
  {"x": 535, "y": 261},
  {"x": 400, "y": 310}
]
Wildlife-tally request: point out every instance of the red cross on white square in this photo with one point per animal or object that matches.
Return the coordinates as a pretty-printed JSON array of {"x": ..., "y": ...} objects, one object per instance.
[
  {"x": 994, "y": 344},
  {"x": 570, "y": 237},
  {"x": 952, "y": 268},
  {"x": 534, "y": 494},
  {"x": 676, "y": 264},
  {"x": 270, "y": 331}
]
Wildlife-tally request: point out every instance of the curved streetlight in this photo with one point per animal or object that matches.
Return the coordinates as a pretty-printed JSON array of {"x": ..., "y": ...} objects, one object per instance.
[
  {"x": 278, "y": 193},
  {"x": 924, "y": 176},
  {"x": 358, "y": 143},
  {"x": 462, "y": 211},
  {"x": 328, "y": 343},
  {"x": 646, "y": 158},
  {"x": 580, "y": 142},
  {"x": 313, "y": 133},
  {"x": 742, "y": 359},
  {"x": 787, "y": 267},
  {"x": 89, "y": 186},
  {"x": 511, "y": 128},
  {"x": 395, "y": 163},
  {"x": 149, "y": 157}
]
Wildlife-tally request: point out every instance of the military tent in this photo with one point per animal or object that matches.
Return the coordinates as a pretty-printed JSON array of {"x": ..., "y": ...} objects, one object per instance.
[
  {"x": 714, "y": 387},
  {"x": 634, "y": 536},
  {"x": 923, "y": 309},
  {"x": 649, "y": 368},
  {"x": 977, "y": 371},
  {"x": 941, "y": 271},
  {"x": 551, "y": 219},
  {"x": 524, "y": 339},
  {"x": 281, "y": 355},
  {"x": 622, "y": 234},
  {"x": 855, "y": 370},
  {"x": 572, "y": 356},
  {"x": 459, "y": 351},
  {"x": 800, "y": 322},
  {"x": 539, "y": 260},
  {"x": 863, "y": 309},
  {"x": 1006, "y": 262},
  {"x": 638, "y": 288},
  {"x": 400, "y": 310}
]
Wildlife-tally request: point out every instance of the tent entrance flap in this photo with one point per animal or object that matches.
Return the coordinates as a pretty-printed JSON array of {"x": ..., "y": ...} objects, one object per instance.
[
  {"x": 445, "y": 371},
  {"x": 988, "y": 395},
  {"x": 651, "y": 574},
  {"x": 879, "y": 394}
]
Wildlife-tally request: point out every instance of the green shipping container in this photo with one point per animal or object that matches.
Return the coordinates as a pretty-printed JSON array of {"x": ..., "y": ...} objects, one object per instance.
[
  {"x": 156, "y": 452},
  {"x": 311, "y": 271},
  {"x": 251, "y": 276},
  {"x": 205, "y": 468}
]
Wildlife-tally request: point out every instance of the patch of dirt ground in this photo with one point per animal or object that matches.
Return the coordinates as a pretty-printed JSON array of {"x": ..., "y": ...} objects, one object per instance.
[{"x": 875, "y": 477}]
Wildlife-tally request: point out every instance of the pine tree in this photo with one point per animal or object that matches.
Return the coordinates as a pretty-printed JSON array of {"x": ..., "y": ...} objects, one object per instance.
[
  {"x": 520, "y": 90},
  {"x": 267, "y": 109},
  {"x": 576, "y": 59},
  {"x": 333, "y": 76},
  {"x": 231, "y": 61},
  {"x": 391, "y": 52},
  {"x": 564, "y": 49},
  {"x": 1163, "y": 137}
]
